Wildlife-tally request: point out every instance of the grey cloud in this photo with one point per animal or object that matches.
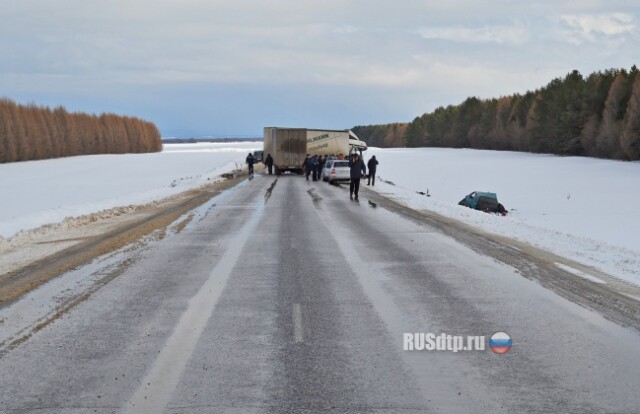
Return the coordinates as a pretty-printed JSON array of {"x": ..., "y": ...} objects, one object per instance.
[
  {"x": 216, "y": 65},
  {"x": 514, "y": 34},
  {"x": 593, "y": 27}
]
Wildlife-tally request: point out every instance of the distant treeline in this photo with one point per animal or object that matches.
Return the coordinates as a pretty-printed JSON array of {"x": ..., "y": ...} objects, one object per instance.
[
  {"x": 212, "y": 140},
  {"x": 385, "y": 135},
  {"x": 596, "y": 116},
  {"x": 29, "y": 132}
]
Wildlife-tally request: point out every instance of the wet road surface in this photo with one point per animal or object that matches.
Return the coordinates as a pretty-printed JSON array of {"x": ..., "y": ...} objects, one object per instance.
[{"x": 299, "y": 301}]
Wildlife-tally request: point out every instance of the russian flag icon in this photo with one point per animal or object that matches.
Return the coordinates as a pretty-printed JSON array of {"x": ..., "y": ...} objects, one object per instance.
[{"x": 500, "y": 343}]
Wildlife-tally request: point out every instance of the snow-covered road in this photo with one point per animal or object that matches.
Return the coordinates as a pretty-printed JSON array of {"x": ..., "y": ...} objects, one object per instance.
[{"x": 300, "y": 302}]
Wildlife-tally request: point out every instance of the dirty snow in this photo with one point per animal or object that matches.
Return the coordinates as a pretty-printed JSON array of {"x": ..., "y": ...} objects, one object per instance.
[
  {"x": 580, "y": 273},
  {"x": 583, "y": 209}
]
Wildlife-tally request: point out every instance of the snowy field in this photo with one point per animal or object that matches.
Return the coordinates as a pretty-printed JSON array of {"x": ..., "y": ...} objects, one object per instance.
[
  {"x": 42, "y": 192},
  {"x": 583, "y": 209},
  {"x": 579, "y": 208}
]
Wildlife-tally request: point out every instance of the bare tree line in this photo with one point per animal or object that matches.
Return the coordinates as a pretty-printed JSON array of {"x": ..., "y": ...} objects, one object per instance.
[{"x": 30, "y": 132}]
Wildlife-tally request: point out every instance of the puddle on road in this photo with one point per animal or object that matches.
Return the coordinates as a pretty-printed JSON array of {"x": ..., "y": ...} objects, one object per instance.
[
  {"x": 202, "y": 211},
  {"x": 315, "y": 197}
]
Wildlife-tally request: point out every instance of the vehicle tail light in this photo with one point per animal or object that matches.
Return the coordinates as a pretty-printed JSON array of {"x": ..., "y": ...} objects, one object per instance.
[{"x": 333, "y": 171}]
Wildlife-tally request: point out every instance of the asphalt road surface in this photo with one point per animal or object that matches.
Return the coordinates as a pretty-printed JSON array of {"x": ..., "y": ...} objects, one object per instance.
[{"x": 288, "y": 297}]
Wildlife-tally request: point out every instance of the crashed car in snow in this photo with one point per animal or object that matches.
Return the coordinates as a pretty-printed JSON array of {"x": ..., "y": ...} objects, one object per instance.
[{"x": 483, "y": 201}]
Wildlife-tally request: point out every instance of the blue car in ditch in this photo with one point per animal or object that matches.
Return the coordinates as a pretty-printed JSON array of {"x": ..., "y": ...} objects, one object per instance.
[{"x": 483, "y": 201}]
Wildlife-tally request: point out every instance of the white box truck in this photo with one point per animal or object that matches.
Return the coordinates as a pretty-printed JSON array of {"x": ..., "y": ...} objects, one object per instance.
[
  {"x": 333, "y": 142},
  {"x": 287, "y": 146}
]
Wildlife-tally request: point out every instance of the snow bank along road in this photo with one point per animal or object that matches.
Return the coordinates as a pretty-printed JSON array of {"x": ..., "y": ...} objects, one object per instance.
[
  {"x": 579, "y": 208},
  {"x": 284, "y": 296}
]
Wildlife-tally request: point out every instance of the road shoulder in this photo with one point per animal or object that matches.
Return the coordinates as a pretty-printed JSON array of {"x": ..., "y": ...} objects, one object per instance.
[
  {"x": 615, "y": 299},
  {"x": 55, "y": 250}
]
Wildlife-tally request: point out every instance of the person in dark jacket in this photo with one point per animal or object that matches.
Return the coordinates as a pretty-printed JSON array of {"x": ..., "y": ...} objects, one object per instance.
[
  {"x": 306, "y": 164},
  {"x": 250, "y": 161},
  {"x": 372, "y": 165},
  {"x": 314, "y": 167},
  {"x": 358, "y": 169},
  {"x": 319, "y": 167},
  {"x": 269, "y": 163}
]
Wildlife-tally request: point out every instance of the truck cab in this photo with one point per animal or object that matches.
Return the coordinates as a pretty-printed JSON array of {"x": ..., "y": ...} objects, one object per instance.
[{"x": 355, "y": 145}]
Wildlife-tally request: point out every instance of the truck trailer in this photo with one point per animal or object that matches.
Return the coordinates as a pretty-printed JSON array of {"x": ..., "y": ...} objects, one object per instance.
[
  {"x": 287, "y": 146},
  {"x": 333, "y": 142}
]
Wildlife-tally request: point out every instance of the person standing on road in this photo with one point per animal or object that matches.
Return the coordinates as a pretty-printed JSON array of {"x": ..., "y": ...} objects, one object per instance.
[
  {"x": 372, "y": 165},
  {"x": 319, "y": 167},
  {"x": 314, "y": 167},
  {"x": 250, "y": 161},
  {"x": 358, "y": 169},
  {"x": 269, "y": 163},
  {"x": 306, "y": 164}
]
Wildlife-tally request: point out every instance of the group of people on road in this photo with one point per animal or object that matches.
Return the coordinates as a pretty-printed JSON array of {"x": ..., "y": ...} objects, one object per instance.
[
  {"x": 250, "y": 160},
  {"x": 313, "y": 168}
]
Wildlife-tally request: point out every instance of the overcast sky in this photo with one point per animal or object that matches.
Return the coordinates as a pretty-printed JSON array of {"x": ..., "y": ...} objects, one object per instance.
[{"x": 228, "y": 68}]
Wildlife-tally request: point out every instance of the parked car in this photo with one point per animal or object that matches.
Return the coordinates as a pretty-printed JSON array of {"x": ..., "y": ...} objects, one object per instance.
[
  {"x": 336, "y": 171},
  {"x": 258, "y": 156}
]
